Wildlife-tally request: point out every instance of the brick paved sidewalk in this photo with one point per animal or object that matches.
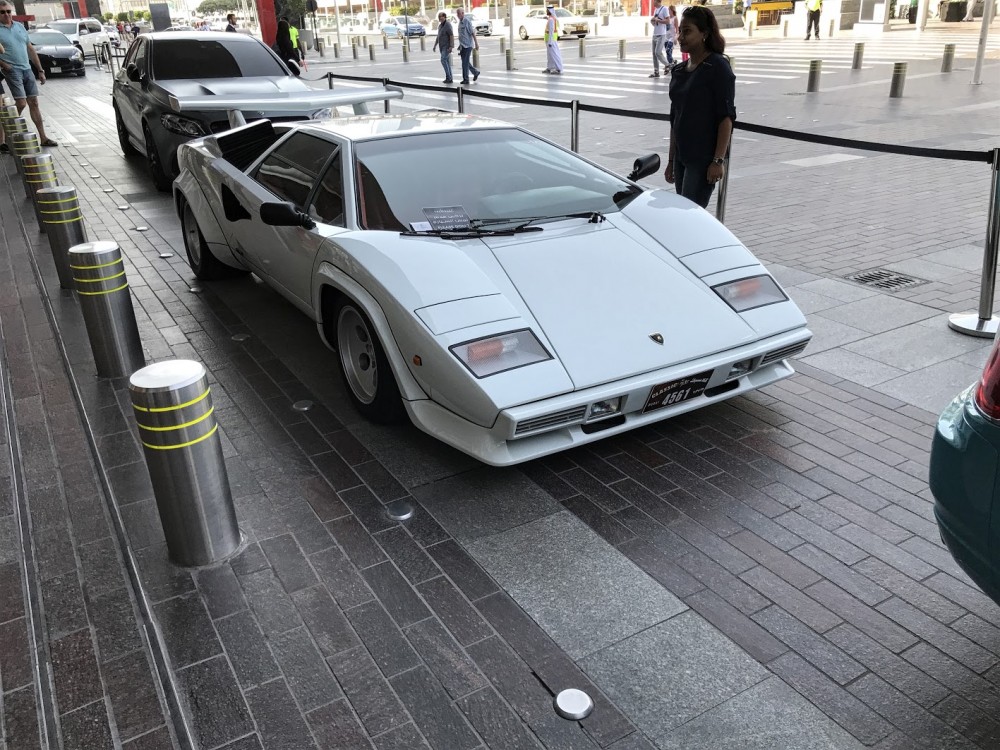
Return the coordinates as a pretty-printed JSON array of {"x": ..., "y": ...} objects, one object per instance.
[{"x": 765, "y": 573}]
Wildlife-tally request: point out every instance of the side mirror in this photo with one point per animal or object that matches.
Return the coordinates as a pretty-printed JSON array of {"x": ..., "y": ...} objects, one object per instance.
[
  {"x": 284, "y": 214},
  {"x": 132, "y": 72},
  {"x": 81, "y": 32},
  {"x": 645, "y": 166}
]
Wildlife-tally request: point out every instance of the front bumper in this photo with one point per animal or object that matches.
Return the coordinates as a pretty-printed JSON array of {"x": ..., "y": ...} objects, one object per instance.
[
  {"x": 963, "y": 469},
  {"x": 62, "y": 66},
  {"x": 499, "y": 445}
]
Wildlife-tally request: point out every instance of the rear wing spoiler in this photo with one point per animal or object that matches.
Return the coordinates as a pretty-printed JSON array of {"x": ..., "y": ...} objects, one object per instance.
[{"x": 304, "y": 102}]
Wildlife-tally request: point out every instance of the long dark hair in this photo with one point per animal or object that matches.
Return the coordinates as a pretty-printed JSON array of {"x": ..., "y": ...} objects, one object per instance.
[
  {"x": 704, "y": 20},
  {"x": 283, "y": 30}
]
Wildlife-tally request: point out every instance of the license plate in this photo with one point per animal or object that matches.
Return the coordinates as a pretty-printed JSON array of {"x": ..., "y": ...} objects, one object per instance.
[
  {"x": 55, "y": 69},
  {"x": 668, "y": 394}
]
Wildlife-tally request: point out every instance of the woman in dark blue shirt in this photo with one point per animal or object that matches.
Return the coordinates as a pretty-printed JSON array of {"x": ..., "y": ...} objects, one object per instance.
[{"x": 702, "y": 108}]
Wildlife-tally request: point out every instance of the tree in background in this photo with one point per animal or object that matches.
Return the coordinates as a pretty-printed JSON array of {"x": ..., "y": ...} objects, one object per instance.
[{"x": 209, "y": 7}]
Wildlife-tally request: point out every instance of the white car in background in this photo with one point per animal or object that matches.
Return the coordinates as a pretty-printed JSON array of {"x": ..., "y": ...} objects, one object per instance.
[
  {"x": 533, "y": 25},
  {"x": 541, "y": 304},
  {"x": 85, "y": 33}
]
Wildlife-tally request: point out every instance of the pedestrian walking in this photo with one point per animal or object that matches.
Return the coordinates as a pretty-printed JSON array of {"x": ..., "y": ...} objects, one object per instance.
[
  {"x": 231, "y": 22},
  {"x": 660, "y": 21},
  {"x": 466, "y": 43},
  {"x": 675, "y": 25},
  {"x": 283, "y": 44},
  {"x": 553, "y": 58},
  {"x": 814, "y": 8},
  {"x": 16, "y": 59},
  {"x": 702, "y": 108},
  {"x": 445, "y": 41}
]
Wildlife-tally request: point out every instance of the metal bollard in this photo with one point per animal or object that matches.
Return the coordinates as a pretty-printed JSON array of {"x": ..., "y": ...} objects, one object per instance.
[
  {"x": 329, "y": 81},
  {"x": 621, "y": 49},
  {"x": 574, "y": 126},
  {"x": 461, "y": 99},
  {"x": 371, "y": 52},
  {"x": 60, "y": 211},
  {"x": 503, "y": 45},
  {"x": 364, "y": 42},
  {"x": 24, "y": 143},
  {"x": 385, "y": 42},
  {"x": 475, "y": 58},
  {"x": 106, "y": 303},
  {"x": 510, "y": 59},
  {"x": 319, "y": 46},
  {"x": 949, "y": 58},
  {"x": 39, "y": 173},
  {"x": 354, "y": 50},
  {"x": 595, "y": 28},
  {"x": 7, "y": 113},
  {"x": 406, "y": 53},
  {"x": 829, "y": 33},
  {"x": 172, "y": 403},
  {"x": 423, "y": 46},
  {"x": 859, "y": 55},
  {"x": 749, "y": 27},
  {"x": 815, "y": 69},
  {"x": 898, "y": 79},
  {"x": 645, "y": 29},
  {"x": 784, "y": 27},
  {"x": 583, "y": 48},
  {"x": 336, "y": 50}
]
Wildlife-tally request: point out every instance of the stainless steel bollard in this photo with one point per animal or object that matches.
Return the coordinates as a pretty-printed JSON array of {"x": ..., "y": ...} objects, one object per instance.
[
  {"x": 172, "y": 403},
  {"x": 574, "y": 126},
  {"x": 39, "y": 173},
  {"x": 371, "y": 52},
  {"x": 645, "y": 29},
  {"x": 784, "y": 27},
  {"x": 583, "y": 48},
  {"x": 354, "y": 50},
  {"x": 423, "y": 45},
  {"x": 106, "y": 303},
  {"x": 510, "y": 59},
  {"x": 406, "y": 53},
  {"x": 461, "y": 99},
  {"x": 829, "y": 33},
  {"x": 7, "y": 113},
  {"x": 385, "y": 42},
  {"x": 336, "y": 50},
  {"x": 898, "y": 79},
  {"x": 60, "y": 211},
  {"x": 23, "y": 144},
  {"x": 503, "y": 45},
  {"x": 364, "y": 42},
  {"x": 815, "y": 69},
  {"x": 859, "y": 55},
  {"x": 949, "y": 58},
  {"x": 621, "y": 49},
  {"x": 749, "y": 27}
]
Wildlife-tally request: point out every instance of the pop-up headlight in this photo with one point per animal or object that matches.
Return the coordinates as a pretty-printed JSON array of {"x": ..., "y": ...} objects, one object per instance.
[
  {"x": 505, "y": 351},
  {"x": 746, "y": 294}
]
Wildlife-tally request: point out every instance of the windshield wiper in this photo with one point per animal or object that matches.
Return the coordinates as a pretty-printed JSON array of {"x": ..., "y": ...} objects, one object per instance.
[
  {"x": 527, "y": 222},
  {"x": 472, "y": 232}
]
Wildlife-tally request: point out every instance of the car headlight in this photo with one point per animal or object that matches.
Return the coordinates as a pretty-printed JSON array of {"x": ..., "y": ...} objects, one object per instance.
[
  {"x": 326, "y": 113},
  {"x": 754, "y": 291},
  {"x": 182, "y": 125},
  {"x": 492, "y": 354},
  {"x": 77, "y": 55}
]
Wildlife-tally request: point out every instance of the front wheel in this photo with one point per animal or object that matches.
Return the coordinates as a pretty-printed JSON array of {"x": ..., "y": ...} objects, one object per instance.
[
  {"x": 365, "y": 368},
  {"x": 522, "y": 32},
  {"x": 123, "y": 140},
  {"x": 205, "y": 265},
  {"x": 161, "y": 180}
]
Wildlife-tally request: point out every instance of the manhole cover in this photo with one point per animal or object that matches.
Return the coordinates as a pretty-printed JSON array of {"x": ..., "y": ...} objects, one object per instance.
[{"x": 880, "y": 278}]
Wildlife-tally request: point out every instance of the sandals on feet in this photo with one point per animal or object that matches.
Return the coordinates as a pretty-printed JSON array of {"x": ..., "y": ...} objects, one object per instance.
[{"x": 49, "y": 143}]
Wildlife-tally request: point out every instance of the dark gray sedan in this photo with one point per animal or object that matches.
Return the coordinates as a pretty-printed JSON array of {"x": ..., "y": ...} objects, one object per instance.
[
  {"x": 165, "y": 64},
  {"x": 57, "y": 54}
]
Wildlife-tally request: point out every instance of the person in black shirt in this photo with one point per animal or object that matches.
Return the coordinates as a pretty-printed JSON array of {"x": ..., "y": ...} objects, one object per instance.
[
  {"x": 231, "y": 22},
  {"x": 702, "y": 108}
]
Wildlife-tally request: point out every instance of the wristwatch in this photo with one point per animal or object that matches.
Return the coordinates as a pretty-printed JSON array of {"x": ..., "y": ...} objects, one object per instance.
[{"x": 718, "y": 160}]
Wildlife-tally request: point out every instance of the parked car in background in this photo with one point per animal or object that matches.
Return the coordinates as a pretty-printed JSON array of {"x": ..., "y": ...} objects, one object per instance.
[
  {"x": 161, "y": 64},
  {"x": 483, "y": 308},
  {"x": 57, "y": 54},
  {"x": 85, "y": 33},
  {"x": 482, "y": 26},
  {"x": 113, "y": 36},
  {"x": 398, "y": 26},
  {"x": 533, "y": 24},
  {"x": 964, "y": 469}
]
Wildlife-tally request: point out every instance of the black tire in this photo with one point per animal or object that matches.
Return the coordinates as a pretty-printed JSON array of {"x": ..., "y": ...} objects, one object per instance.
[
  {"x": 123, "y": 140},
  {"x": 161, "y": 180},
  {"x": 522, "y": 32},
  {"x": 206, "y": 266},
  {"x": 365, "y": 369},
  {"x": 81, "y": 73}
]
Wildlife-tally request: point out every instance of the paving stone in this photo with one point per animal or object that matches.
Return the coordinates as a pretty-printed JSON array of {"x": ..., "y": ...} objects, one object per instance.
[
  {"x": 74, "y": 670},
  {"x": 412, "y": 561},
  {"x": 406, "y": 737},
  {"x": 391, "y": 589},
  {"x": 369, "y": 692},
  {"x": 806, "y": 609},
  {"x": 457, "y": 615},
  {"x": 707, "y": 670},
  {"x": 836, "y": 572},
  {"x": 539, "y": 564},
  {"x": 187, "y": 630},
  {"x": 495, "y": 722},
  {"x": 864, "y": 618},
  {"x": 658, "y": 565},
  {"x": 839, "y": 548},
  {"x": 88, "y": 728},
  {"x": 341, "y": 578},
  {"x": 270, "y": 604},
  {"x": 159, "y": 739},
  {"x": 432, "y": 712},
  {"x": 289, "y": 563},
  {"x": 910, "y": 591},
  {"x": 278, "y": 719},
  {"x": 335, "y": 725},
  {"x": 221, "y": 591},
  {"x": 101, "y": 568},
  {"x": 444, "y": 657},
  {"x": 325, "y": 621},
  {"x": 747, "y": 634},
  {"x": 247, "y": 649},
  {"x": 134, "y": 698},
  {"x": 213, "y": 702},
  {"x": 382, "y": 636},
  {"x": 957, "y": 646},
  {"x": 21, "y": 719},
  {"x": 64, "y": 607},
  {"x": 948, "y": 672},
  {"x": 359, "y": 547},
  {"x": 969, "y": 721}
]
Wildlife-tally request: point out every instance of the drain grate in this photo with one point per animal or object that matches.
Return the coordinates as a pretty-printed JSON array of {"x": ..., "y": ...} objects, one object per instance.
[{"x": 883, "y": 279}]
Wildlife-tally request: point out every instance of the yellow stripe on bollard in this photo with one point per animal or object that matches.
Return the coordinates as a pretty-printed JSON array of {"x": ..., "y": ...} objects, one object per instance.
[
  {"x": 206, "y": 436},
  {"x": 171, "y": 408},
  {"x": 102, "y": 265},
  {"x": 106, "y": 291},
  {"x": 102, "y": 278},
  {"x": 202, "y": 418}
]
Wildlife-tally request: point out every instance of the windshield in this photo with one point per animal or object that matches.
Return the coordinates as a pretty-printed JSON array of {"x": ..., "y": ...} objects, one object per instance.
[
  {"x": 406, "y": 183},
  {"x": 175, "y": 59},
  {"x": 48, "y": 38},
  {"x": 562, "y": 13},
  {"x": 66, "y": 27}
]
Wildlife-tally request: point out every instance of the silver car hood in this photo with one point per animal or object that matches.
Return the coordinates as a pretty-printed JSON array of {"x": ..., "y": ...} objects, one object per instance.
[
  {"x": 233, "y": 86},
  {"x": 600, "y": 296}
]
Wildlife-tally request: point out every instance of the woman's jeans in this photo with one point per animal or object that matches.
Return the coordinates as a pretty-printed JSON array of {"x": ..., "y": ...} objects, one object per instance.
[{"x": 691, "y": 181}]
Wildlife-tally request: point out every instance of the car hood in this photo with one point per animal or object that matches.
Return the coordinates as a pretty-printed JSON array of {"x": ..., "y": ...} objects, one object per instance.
[
  {"x": 58, "y": 50},
  {"x": 233, "y": 86},
  {"x": 600, "y": 296}
]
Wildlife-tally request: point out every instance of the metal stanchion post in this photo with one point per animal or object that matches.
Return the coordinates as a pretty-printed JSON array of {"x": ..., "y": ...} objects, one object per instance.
[
  {"x": 354, "y": 50},
  {"x": 39, "y": 173},
  {"x": 7, "y": 113},
  {"x": 645, "y": 29},
  {"x": 510, "y": 59},
  {"x": 336, "y": 50},
  {"x": 829, "y": 33},
  {"x": 898, "y": 79},
  {"x": 621, "y": 49},
  {"x": 461, "y": 99},
  {"x": 720, "y": 200},
  {"x": 423, "y": 46},
  {"x": 815, "y": 69},
  {"x": 574, "y": 120},
  {"x": 329, "y": 81},
  {"x": 364, "y": 41},
  {"x": 320, "y": 46},
  {"x": 371, "y": 52},
  {"x": 859, "y": 55},
  {"x": 596, "y": 25},
  {"x": 385, "y": 42},
  {"x": 24, "y": 143},
  {"x": 173, "y": 408},
  {"x": 106, "y": 303},
  {"x": 60, "y": 211},
  {"x": 784, "y": 27},
  {"x": 985, "y": 323},
  {"x": 503, "y": 46},
  {"x": 406, "y": 53},
  {"x": 949, "y": 58},
  {"x": 583, "y": 48},
  {"x": 749, "y": 27}
]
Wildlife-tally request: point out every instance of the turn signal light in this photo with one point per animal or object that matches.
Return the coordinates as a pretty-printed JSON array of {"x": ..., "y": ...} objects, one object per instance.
[{"x": 988, "y": 390}]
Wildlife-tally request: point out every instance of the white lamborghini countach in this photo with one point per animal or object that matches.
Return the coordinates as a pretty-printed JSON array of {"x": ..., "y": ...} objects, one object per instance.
[{"x": 534, "y": 304}]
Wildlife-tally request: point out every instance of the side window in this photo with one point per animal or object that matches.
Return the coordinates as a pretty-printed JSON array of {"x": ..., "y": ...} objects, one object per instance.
[
  {"x": 141, "y": 50},
  {"x": 291, "y": 169},
  {"x": 95, "y": 28},
  {"x": 82, "y": 29},
  {"x": 328, "y": 203}
]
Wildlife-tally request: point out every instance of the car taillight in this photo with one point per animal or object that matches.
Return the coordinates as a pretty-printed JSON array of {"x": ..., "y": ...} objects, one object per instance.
[{"x": 988, "y": 390}]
